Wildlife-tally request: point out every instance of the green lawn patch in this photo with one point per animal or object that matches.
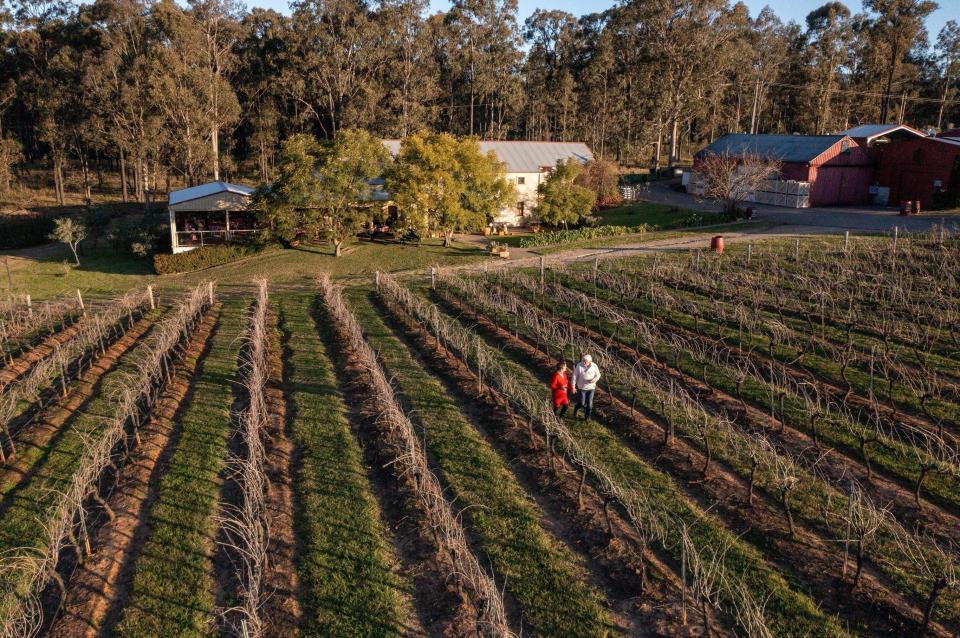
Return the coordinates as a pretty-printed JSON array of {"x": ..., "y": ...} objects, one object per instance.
[
  {"x": 662, "y": 216},
  {"x": 345, "y": 564},
  {"x": 544, "y": 577}
]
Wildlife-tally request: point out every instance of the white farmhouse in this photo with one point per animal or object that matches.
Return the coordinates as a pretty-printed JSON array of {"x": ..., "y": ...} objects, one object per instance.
[{"x": 528, "y": 164}]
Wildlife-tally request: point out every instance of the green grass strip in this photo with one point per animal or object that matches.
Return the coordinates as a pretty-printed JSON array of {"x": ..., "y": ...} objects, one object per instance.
[
  {"x": 789, "y": 611},
  {"x": 544, "y": 577},
  {"x": 173, "y": 585},
  {"x": 348, "y": 586}
]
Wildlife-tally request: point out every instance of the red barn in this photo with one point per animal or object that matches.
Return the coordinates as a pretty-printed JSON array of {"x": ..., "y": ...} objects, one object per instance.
[
  {"x": 917, "y": 168},
  {"x": 877, "y": 135},
  {"x": 838, "y": 169}
]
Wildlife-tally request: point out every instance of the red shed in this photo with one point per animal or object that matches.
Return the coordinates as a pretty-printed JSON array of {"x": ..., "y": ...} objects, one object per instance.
[
  {"x": 916, "y": 169},
  {"x": 838, "y": 169}
]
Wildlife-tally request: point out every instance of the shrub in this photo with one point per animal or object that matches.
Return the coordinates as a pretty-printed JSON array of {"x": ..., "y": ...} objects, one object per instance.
[
  {"x": 200, "y": 258},
  {"x": 141, "y": 236},
  {"x": 579, "y": 234},
  {"x": 24, "y": 231},
  {"x": 696, "y": 219}
]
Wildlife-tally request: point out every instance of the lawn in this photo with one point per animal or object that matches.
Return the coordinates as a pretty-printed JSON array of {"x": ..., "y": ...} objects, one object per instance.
[
  {"x": 662, "y": 216},
  {"x": 42, "y": 273}
]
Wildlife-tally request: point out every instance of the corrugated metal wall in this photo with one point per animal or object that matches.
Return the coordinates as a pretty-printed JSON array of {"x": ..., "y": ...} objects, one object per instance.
[{"x": 910, "y": 168}]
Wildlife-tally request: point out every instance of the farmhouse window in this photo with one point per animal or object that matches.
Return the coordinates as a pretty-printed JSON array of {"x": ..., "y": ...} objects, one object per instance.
[{"x": 521, "y": 181}]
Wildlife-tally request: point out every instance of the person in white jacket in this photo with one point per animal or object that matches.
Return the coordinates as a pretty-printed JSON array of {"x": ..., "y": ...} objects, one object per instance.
[{"x": 585, "y": 377}]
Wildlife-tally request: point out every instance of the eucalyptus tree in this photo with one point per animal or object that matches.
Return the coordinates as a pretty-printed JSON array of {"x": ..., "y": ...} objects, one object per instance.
[
  {"x": 830, "y": 34},
  {"x": 484, "y": 55},
  {"x": 263, "y": 55},
  {"x": 948, "y": 58},
  {"x": 337, "y": 52},
  {"x": 409, "y": 81},
  {"x": 215, "y": 24},
  {"x": 896, "y": 29},
  {"x": 549, "y": 74}
]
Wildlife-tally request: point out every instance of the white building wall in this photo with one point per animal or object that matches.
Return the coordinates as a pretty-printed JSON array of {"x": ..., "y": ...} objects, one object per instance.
[{"x": 526, "y": 185}]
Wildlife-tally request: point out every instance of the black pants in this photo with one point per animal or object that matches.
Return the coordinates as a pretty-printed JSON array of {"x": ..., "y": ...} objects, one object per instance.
[{"x": 561, "y": 410}]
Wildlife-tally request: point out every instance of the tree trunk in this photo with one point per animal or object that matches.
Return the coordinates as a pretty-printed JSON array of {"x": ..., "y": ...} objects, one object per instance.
[
  {"x": 448, "y": 239},
  {"x": 123, "y": 175},
  {"x": 856, "y": 576},
  {"x": 337, "y": 247},
  {"x": 785, "y": 501},
  {"x": 674, "y": 148},
  {"x": 943, "y": 101},
  {"x": 215, "y": 150},
  {"x": 894, "y": 54},
  {"x": 916, "y": 492},
  {"x": 73, "y": 249},
  {"x": 938, "y": 586}
]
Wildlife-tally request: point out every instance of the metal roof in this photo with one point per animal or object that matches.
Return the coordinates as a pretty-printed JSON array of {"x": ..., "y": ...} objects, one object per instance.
[
  {"x": 525, "y": 157},
  {"x": 203, "y": 190},
  {"x": 786, "y": 148},
  {"x": 873, "y": 131}
]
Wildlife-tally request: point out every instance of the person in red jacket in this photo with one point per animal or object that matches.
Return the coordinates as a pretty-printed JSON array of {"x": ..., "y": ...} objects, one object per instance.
[{"x": 560, "y": 387}]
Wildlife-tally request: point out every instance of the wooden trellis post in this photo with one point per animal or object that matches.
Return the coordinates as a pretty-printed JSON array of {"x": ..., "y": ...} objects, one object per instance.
[
  {"x": 83, "y": 309},
  {"x": 796, "y": 250},
  {"x": 153, "y": 304},
  {"x": 541, "y": 271},
  {"x": 29, "y": 306},
  {"x": 846, "y": 241},
  {"x": 376, "y": 280},
  {"x": 433, "y": 278},
  {"x": 210, "y": 291},
  {"x": 749, "y": 253}
]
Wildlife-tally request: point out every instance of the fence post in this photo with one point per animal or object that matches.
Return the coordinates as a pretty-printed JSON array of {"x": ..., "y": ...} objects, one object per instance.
[
  {"x": 541, "y": 271},
  {"x": 796, "y": 250},
  {"x": 433, "y": 278},
  {"x": 749, "y": 253},
  {"x": 153, "y": 304},
  {"x": 83, "y": 309},
  {"x": 376, "y": 279},
  {"x": 210, "y": 291},
  {"x": 596, "y": 266},
  {"x": 29, "y": 306},
  {"x": 896, "y": 235}
]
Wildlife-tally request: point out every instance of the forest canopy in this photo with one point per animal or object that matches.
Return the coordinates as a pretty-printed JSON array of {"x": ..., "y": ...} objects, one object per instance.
[{"x": 207, "y": 89}]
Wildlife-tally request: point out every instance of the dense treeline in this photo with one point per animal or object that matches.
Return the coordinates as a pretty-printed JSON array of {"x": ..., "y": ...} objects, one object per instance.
[{"x": 159, "y": 91}]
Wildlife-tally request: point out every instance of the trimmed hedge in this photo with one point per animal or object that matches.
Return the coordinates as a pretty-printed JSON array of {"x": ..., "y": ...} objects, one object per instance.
[
  {"x": 200, "y": 258},
  {"x": 578, "y": 234},
  {"x": 24, "y": 231}
]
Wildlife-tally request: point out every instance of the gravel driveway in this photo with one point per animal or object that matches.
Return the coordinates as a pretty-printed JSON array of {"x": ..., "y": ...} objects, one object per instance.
[{"x": 868, "y": 219}]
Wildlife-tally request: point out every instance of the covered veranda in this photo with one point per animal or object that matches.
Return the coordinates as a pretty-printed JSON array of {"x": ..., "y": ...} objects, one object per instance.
[{"x": 210, "y": 214}]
